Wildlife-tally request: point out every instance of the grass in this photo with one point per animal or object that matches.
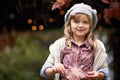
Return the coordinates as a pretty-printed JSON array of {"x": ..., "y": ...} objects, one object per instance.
[{"x": 24, "y": 60}]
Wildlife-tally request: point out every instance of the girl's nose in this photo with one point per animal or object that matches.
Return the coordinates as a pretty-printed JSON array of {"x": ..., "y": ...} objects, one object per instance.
[{"x": 80, "y": 24}]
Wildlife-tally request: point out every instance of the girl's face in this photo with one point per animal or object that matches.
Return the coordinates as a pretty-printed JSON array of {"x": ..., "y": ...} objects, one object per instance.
[{"x": 80, "y": 25}]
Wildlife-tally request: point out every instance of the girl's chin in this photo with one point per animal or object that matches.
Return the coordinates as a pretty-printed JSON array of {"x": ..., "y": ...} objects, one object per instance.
[{"x": 80, "y": 34}]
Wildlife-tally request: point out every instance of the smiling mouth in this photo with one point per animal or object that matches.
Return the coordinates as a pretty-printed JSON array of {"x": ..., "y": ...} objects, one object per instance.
[{"x": 80, "y": 30}]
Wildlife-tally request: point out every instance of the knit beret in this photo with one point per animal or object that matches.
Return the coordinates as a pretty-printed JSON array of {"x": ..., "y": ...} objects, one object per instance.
[{"x": 82, "y": 8}]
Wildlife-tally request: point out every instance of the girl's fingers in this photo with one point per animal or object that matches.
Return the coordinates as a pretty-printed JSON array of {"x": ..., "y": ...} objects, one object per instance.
[
  {"x": 62, "y": 68},
  {"x": 59, "y": 68},
  {"x": 91, "y": 73}
]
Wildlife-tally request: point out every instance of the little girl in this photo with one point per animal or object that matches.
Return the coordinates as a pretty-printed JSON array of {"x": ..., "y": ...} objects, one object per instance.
[{"x": 77, "y": 55}]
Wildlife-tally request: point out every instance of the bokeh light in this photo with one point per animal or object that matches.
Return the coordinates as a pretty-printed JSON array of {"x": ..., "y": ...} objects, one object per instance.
[
  {"x": 41, "y": 27},
  {"x": 34, "y": 28},
  {"x": 62, "y": 12},
  {"x": 29, "y": 21},
  {"x": 50, "y": 20}
]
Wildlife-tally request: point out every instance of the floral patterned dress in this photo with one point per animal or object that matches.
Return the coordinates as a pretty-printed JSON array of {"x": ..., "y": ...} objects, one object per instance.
[{"x": 78, "y": 61}]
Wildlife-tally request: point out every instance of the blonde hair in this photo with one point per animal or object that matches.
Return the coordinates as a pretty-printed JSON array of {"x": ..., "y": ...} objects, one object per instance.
[{"x": 68, "y": 32}]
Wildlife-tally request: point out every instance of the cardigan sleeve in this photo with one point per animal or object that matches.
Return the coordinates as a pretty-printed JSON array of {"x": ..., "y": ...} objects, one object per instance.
[
  {"x": 54, "y": 56},
  {"x": 48, "y": 63},
  {"x": 100, "y": 61}
]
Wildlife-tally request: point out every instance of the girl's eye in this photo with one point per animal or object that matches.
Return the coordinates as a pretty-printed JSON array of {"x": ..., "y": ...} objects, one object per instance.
[
  {"x": 75, "y": 21},
  {"x": 86, "y": 22}
]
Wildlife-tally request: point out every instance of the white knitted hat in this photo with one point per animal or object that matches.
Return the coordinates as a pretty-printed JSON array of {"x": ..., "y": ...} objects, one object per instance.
[{"x": 85, "y": 9}]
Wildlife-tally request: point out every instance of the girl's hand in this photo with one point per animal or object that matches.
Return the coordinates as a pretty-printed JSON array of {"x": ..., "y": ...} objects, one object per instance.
[
  {"x": 58, "y": 68},
  {"x": 94, "y": 75}
]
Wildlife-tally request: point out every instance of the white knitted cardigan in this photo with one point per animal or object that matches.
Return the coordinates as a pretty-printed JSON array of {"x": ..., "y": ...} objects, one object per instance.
[{"x": 100, "y": 60}]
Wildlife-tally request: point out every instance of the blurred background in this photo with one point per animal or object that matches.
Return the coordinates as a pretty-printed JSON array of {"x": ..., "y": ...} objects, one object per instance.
[{"x": 28, "y": 27}]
